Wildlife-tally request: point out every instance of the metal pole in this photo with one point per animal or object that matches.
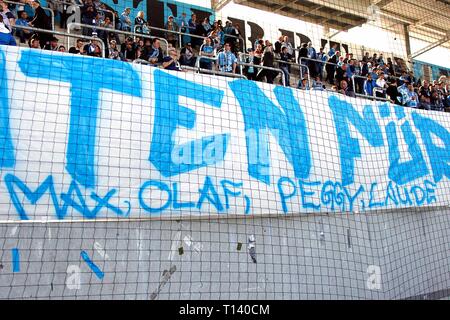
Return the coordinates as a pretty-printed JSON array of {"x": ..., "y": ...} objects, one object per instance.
[
  {"x": 63, "y": 34},
  {"x": 76, "y": 24}
]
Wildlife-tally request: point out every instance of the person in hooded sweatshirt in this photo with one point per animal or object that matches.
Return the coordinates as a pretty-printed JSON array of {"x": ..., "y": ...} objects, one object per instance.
[{"x": 6, "y": 37}]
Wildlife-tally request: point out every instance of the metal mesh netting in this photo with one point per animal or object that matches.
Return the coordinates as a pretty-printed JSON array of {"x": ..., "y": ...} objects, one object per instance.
[{"x": 289, "y": 150}]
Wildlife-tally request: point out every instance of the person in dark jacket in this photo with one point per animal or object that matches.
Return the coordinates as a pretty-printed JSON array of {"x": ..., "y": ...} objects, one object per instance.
[
  {"x": 41, "y": 21},
  {"x": 331, "y": 68},
  {"x": 303, "y": 53},
  {"x": 6, "y": 37},
  {"x": 267, "y": 61},
  {"x": 285, "y": 66}
]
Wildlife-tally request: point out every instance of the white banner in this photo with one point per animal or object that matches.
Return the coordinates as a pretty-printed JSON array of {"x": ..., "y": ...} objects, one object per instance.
[{"x": 86, "y": 138}]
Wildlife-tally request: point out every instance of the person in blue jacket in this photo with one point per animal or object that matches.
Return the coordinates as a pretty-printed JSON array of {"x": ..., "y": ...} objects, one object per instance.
[
  {"x": 369, "y": 84},
  {"x": 6, "y": 37}
]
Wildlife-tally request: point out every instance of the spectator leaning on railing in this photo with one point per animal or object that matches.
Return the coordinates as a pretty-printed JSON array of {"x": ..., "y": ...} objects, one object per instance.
[{"x": 226, "y": 59}]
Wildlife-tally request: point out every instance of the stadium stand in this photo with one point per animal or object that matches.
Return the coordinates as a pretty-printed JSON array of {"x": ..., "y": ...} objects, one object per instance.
[{"x": 318, "y": 69}]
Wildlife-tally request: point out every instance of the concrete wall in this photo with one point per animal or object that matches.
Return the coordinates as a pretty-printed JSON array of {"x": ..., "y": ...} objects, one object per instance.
[{"x": 303, "y": 257}]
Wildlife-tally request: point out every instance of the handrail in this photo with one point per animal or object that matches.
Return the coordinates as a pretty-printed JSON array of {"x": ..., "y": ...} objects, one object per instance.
[
  {"x": 283, "y": 80},
  {"x": 141, "y": 61},
  {"x": 213, "y": 72},
  {"x": 184, "y": 33},
  {"x": 52, "y": 14},
  {"x": 241, "y": 62},
  {"x": 76, "y": 24},
  {"x": 381, "y": 90},
  {"x": 200, "y": 51},
  {"x": 364, "y": 95},
  {"x": 64, "y": 35},
  {"x": 200, "y": 57}
]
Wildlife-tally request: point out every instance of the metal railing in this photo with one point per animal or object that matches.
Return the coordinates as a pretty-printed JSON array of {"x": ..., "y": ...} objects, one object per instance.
[
  {"x": 76, "y": 24},
  {"x": 243, "y": 63},
  {"x": 52, "y": 14},
  {"x": 213, "y": 72},
  {"x": 380, "y": 90},
  {"x": 283, "y": 80},
  {"x": 373, "y": 96},
  {"x": 180, "y": 34},
  {"x": 64, "y": 35}
]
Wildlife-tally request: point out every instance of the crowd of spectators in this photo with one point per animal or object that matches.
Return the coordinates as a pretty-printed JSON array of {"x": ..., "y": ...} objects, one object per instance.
[{"x": 222, "y": 47}]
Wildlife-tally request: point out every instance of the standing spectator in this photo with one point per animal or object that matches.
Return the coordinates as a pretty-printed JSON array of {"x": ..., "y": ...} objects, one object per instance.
[
  {"x": 350, "y": 72},
  {"x": 425, "y": 95},
  {"x": 392, "y": 92},
  {"x": 289, "y": 45},
  {"x": 341, "y": 74},
  {"x": 61, "y": 49},
  {"x": 403, "y": 91},
  {"x": 183, "y": 24},
  {"x": 187, "y": 56},
  {"x": 285, "y": 66},
  {"x": 41, "y": 21},
  {"x": 278, "y": 45},
  {"x": 412, "y": 100},
  {"x": 170, "y": 62},
  {"x": 140, "y": 23},
  {"x": 322, "y": 57},
  {"x": 369, "y": 84},
  {"x": 390, "y": 66},
  {"x": 106, "y": 36},
  {"x": 332, "y": 51},
  {"x": 331, "y": 67},
  {"x": 436, "y": 102},
  {"x": 229, "y": 30},
  {"x": 238, "y": 40},
  {"x": 206, "y": 26},
  {"x": 366, "y": 57},
  {"x": 89, "y": 18},
  {"x": 6, "y": 37},
  {"x": 125, "y": 19},
  {"x": 380, "y": 60},
  {"x": 303, "y": 53},
  {"x": 267, "y": 61},
  {"x": 193, "y": 30},
  {"x": 258, "y": 54},
  {"x": 215, "y": 38},
  {"x": 171, "y": 37},
  {"x": 22, "y": 33},
  {"x": 227, "y": 60},
  {"x": 206, "y": 50},
  {"x": 251, "y": 71},
  {"x": 359, "y": 82},
  {"x": 78, "y": 49},
  {"x": 381, "y": 82},
  {"x": 312, "y": 54}
]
